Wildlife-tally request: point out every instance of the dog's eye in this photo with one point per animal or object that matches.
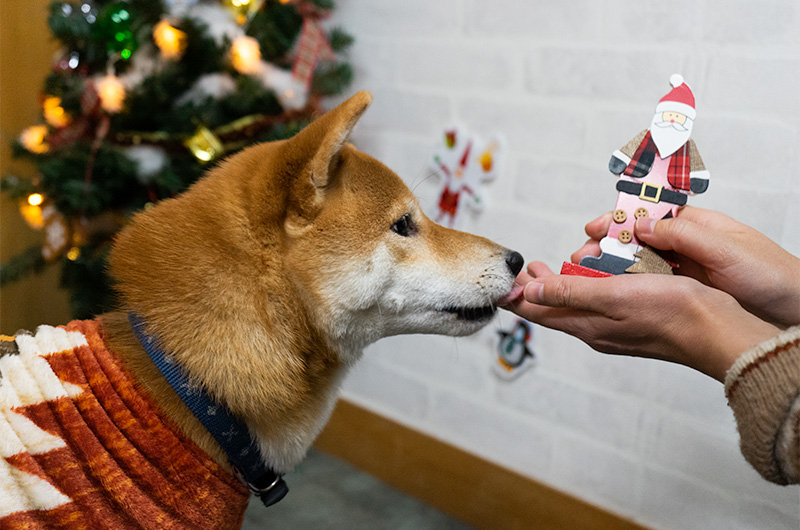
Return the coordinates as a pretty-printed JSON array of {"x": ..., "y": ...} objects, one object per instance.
[{"x": 403, "y": 226}]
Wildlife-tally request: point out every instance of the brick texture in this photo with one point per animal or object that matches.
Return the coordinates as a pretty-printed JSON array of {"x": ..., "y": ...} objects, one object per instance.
[{"x": 567, "y": 83}]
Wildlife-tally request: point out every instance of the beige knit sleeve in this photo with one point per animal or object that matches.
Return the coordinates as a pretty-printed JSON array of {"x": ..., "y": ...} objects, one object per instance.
[{"x": 763, "y": 389}]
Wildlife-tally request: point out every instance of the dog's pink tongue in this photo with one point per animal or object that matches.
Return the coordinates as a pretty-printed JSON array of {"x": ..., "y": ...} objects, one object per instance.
[{"x": 516, "y": 291}]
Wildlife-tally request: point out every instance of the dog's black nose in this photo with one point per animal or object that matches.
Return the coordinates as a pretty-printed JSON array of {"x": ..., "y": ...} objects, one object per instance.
[{"x": 514, "y": 260}]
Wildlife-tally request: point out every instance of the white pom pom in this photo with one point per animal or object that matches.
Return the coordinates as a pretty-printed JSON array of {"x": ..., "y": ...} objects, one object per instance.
[{"x": 675, "y": 80}]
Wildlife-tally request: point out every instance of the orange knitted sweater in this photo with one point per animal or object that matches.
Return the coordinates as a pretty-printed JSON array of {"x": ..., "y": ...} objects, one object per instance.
[{"x": 83, "y": 446}]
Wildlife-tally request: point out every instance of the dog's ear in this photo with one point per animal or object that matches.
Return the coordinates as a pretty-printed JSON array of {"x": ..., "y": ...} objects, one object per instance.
[{"x": 323, "y": 139}]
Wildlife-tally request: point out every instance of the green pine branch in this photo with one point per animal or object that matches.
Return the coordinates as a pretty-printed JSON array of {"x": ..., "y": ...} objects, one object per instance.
[
  {"x": 87, "y": 176},
  {"x": 16, "y": 188},
  {"x": 331, "y": 79}
]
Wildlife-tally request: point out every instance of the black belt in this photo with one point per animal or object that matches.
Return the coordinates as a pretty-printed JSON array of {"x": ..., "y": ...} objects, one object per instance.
[{"x": 649, "y": 192}]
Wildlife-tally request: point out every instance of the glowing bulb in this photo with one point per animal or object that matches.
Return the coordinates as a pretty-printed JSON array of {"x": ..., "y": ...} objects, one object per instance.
[
  {"x": 246, "y": 55},
  {"x": 32, "y": 139},
  {"x": 171, "y": 41},
  {"x": 111, "y": 92},
  {"x": 35, "y": 199},
  {"x": 54, "y": 113},
  {"x": 73, "y": 253}
]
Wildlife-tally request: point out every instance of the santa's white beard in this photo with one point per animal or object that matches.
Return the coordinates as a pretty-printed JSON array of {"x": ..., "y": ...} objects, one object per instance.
[{"x": 669, "y": 136}]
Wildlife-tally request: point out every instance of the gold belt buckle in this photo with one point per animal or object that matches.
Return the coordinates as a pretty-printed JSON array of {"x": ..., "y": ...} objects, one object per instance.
[{"x": 645, "y": 197}]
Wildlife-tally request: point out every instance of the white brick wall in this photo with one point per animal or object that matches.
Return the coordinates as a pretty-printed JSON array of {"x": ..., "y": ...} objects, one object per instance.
[{"x": 568, "y": 83}]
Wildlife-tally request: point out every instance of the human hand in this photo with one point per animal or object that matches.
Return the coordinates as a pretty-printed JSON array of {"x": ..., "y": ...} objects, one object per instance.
[
  {"x": 658, "y": 316},
  {"x": 723, "y": 253}
]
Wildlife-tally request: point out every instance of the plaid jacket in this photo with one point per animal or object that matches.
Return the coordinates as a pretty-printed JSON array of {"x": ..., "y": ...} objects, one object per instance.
[
  {"x": 642, "y": 150},
  {"x": 82, "y": 446}
]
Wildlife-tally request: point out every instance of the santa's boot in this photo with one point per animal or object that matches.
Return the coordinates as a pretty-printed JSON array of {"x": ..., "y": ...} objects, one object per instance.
[{"x": 616, "y": 257}]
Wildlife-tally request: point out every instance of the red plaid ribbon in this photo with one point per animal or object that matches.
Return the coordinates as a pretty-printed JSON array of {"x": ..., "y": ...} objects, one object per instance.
[
  {"x": 679, "y": 163},
  {"x": 311, "y": 47}
]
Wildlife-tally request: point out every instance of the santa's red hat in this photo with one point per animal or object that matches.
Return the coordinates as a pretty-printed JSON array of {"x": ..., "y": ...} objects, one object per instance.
[{"x": 680, "y": 98}]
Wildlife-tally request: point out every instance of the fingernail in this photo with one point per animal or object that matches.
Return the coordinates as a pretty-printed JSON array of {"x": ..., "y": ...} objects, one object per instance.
[
  {"x": 533, "y": 292},
  {"x": 644, "y": 226}
]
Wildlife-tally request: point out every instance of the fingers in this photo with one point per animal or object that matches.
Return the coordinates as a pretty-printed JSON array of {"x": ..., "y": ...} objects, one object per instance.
[
  {"x": 590, "y": 248},
  {"x": 574, "y": 292},
  {"x": 709, "y": 218},
  {"x": 694, "y": 241},
  {"x": 537, "y": 269},
  {"x": 598, "y": 228}
]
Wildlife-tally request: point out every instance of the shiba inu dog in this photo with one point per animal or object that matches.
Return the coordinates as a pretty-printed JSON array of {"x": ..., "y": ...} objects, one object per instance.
[{"x": 261, "y": 284}]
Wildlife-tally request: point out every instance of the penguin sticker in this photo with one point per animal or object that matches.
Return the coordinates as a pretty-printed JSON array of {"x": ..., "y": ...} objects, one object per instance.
[{"x": 514, "y": 355}]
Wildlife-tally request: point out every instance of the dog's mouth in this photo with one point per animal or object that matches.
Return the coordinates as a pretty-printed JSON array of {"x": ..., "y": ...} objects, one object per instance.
[{"x": 472, "y": 314}]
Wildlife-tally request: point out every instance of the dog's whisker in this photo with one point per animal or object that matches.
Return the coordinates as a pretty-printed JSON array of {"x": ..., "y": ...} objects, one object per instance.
[{"x": 430, "y": 174}]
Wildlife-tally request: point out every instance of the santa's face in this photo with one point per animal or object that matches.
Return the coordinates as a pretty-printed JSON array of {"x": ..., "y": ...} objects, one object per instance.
[{"x": 670, "y": 130}]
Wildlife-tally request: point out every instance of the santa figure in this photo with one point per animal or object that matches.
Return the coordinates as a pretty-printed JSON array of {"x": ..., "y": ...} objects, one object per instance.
[
  {"x": 658, "y": 169},
  {"x": 464, "y": 161}
]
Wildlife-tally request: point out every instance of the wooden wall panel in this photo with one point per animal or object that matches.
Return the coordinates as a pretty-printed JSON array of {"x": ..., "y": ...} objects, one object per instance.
[
  {"x": 26, "y": 52},
  {"x": 467, "y": 487}
]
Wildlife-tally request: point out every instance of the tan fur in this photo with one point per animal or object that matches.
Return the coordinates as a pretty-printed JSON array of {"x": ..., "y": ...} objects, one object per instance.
[{"x": 241, "y": 279}]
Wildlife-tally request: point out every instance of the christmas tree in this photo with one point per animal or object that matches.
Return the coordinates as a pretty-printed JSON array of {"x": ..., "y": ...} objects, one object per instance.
[{"x": 143, "y": 97}]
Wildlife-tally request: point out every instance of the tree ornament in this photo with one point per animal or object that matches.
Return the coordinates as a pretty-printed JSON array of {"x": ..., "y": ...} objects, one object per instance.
[
  {"x": 312, "y": 46},
  {"x": 56, "y": 233},
  {"x": 204, "y": 145},
  {"x": 111, "y": 92},
  {"x": 170, "y": 40},
  {"x": 54, "y": 113},
  {"x": 243, "y": 10},
  {"x": 33, "y": 139}
]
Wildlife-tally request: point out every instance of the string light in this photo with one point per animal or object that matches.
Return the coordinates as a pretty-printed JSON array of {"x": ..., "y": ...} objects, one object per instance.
[
  {"x": 171, "y": 41},
  {"x": 73, "y": 253},
  {"x": 243, "y": 9},
  {"x": 246, "y": 55},
  {"x": 33, "y": 139},
  {"x": 111, "y": 92},
  {"x": 31, "y": 210},
  {"x": 54, "y": 113}
]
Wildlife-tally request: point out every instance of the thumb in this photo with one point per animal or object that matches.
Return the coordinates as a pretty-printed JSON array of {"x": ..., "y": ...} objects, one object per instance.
[
  {"x": 684, "y": 237},
  {"x": 573, "y": 292}
]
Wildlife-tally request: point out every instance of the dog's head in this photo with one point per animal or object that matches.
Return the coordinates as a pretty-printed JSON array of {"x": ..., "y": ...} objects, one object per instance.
[
  {"x": 366, "y": 259},
  {"x": 311, "y": 230}
]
